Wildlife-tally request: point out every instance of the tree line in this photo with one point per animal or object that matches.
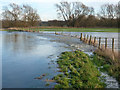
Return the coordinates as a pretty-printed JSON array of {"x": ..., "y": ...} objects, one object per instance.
[
  {"x": 16, "y": 16},
  {"x": 74, "y": 14}
]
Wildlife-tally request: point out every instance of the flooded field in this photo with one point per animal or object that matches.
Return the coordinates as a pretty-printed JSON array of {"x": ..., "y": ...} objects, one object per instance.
[
  {"x": 26, "y": 56},
  {"x": 103, "y": 35}
]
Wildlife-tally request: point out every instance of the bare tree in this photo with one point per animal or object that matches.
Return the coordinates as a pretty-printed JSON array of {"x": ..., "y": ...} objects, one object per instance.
[
  {"x": 107, "y": 11},
  {"x": 117, "y": 10},
  {"x": 30, "y": 15},
  {"x": 71, "y": 11},
  {"x": 64, "y": 10},
  {"x": 15, "y": 15}
]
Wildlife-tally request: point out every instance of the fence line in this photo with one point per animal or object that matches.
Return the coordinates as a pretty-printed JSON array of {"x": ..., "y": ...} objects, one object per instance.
[{"x": 94, "y": 41}]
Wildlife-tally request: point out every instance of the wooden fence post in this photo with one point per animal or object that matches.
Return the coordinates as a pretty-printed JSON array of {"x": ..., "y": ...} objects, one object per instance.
[
  {"x": 105, "y": 43},
  {"x": 94, "y": 41},
  {"x": 99, "y": 42},
  {"x": 113, "y": 44},
  {"x": 87, "y": 37},
  {"x": 90, "y": 39},
  {"x": 84, "y": 37},
  {"x": 81, "y": 38}
]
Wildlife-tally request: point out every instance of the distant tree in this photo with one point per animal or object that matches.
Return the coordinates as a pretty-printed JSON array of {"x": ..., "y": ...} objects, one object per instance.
[
  {"x": 81, "y": 21},
  {"x": 70, "y": 11},
  {"x": 12, "y": 12},
  {"x": 108, "y": 15},
  {"x": 16, "y": 16},
  {"x": 108, "y": 11},
  {"x": 30, "y": 15},
  {"x": 117, "y": 10}
]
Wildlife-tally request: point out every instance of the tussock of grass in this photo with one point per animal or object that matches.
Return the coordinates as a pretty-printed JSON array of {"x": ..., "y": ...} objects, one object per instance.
[{"x": 78, "y": 71}]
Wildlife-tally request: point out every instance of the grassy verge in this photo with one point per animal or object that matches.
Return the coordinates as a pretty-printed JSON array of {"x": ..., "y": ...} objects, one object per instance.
[
  {"x": 107, "y": 65},
  {"x": 78, "y": 71}
]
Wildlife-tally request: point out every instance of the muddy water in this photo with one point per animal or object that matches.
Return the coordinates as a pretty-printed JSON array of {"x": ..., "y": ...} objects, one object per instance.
[{"x": 27, "y": 55}]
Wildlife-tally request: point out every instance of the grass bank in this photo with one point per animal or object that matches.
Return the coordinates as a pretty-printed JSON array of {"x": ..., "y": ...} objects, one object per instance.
[{"x": 78, "y": 71}]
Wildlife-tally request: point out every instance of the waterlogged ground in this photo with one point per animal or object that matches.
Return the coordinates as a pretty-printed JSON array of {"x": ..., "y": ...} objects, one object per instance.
[{"x": 26, "y": 56}]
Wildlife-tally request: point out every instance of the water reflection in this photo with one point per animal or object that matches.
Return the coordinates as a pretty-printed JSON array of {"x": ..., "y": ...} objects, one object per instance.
[
  {"x": 18, "y": 42},
  {"x": 25, "y": 56}
]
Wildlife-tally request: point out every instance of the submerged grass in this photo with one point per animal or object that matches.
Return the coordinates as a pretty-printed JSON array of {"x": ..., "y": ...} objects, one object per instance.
[{"x": 78, "y": 71}]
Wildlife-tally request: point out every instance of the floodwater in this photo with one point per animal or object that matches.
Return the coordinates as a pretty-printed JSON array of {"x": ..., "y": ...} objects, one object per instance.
[
  {"x": 26, "y": 56},
  {"x": 103, "y": 35}
]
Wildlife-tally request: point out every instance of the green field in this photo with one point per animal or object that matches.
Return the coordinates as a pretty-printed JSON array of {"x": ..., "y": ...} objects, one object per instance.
[
  {"x": 79, "y": 29},
  {"x": 71, "y": 29}
]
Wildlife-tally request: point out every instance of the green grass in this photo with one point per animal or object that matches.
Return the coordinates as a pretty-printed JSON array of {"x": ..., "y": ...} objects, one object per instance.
[
  {"x": 79, "y": 29},
  {"x": 73, "y": 29},
  {"x": 78, "y": 71},
  {"x": 113, "y": 69}
]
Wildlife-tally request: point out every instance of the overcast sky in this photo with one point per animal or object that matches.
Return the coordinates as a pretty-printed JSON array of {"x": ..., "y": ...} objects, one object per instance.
[{"x": 46, "y": 8}]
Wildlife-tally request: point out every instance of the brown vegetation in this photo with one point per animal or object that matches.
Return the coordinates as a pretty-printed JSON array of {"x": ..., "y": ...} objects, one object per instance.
[{"x": 108, "y": 53}]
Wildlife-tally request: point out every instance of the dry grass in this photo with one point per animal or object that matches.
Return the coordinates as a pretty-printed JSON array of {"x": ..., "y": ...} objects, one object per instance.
[
  {"x": 113, "y": 58},
  {"x": 108, "y": 53}
]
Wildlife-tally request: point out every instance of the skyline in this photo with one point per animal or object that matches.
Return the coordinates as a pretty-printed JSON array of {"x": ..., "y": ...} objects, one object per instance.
[{"x": 47, "y": 10}]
